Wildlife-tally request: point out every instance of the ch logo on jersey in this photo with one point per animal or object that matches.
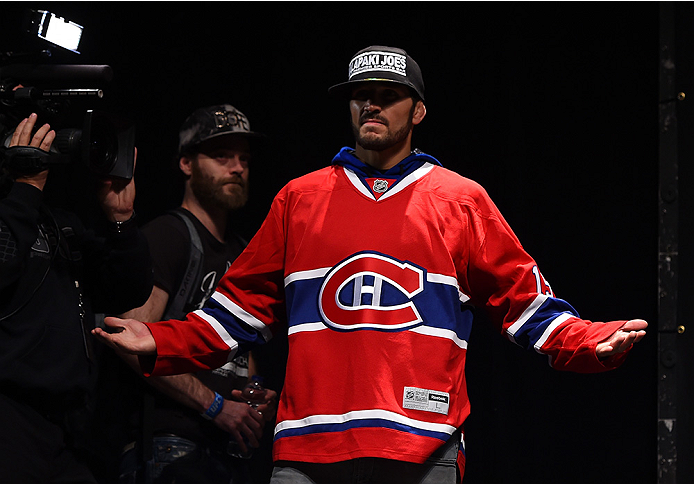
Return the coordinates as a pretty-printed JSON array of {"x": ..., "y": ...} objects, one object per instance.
[{"x": 371, "y": 291}]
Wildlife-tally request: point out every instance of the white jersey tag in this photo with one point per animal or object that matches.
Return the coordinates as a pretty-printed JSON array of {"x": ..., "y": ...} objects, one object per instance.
[{"x": 427, "y": 400}]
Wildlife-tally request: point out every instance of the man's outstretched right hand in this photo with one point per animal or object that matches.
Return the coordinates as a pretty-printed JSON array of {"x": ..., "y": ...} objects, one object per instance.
[{"x": 129, "y": 335}]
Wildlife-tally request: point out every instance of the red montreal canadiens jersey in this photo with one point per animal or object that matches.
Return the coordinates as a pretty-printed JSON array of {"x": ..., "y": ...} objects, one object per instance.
[{"x": 375, "y": 293}]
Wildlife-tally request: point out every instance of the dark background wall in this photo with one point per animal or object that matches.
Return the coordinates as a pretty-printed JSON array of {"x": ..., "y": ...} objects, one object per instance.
[{"x": 553, "y": 107}]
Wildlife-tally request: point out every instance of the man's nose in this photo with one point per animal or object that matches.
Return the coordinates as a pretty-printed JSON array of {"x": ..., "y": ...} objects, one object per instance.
[
  {"x": 370, "y": 105},
  {"x": 235, "y": 164}
]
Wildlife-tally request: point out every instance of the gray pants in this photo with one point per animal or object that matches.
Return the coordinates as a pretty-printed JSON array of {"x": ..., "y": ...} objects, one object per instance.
[{"x": 440, "y": 468}]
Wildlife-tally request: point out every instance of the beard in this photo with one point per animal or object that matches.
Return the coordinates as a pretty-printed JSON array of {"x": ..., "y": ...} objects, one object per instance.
[
  {"x": 379, "y": 143},
  {"x": 214, "y": 194}
]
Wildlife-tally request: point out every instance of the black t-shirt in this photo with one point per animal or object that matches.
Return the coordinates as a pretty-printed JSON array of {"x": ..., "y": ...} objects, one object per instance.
[{"x": 170, "y": 243}]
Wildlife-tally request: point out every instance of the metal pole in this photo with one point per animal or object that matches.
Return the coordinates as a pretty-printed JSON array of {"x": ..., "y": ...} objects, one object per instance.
[{"x": 668, "y": 238}]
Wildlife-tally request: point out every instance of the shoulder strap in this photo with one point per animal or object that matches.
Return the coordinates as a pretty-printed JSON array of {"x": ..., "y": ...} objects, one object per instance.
[
  {"x": 174, "y": 311},
  {"x": 185, "y": 290},
  {"x": 240, "y": 239}
]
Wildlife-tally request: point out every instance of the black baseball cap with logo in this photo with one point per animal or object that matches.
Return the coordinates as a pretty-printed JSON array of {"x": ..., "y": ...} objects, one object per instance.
[
  {"x": 211, "y": 122},
  {"x": 384, "y": 64}
]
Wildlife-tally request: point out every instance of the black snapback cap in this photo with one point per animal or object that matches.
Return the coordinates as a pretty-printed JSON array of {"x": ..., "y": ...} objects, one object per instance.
[
  {"x": 384, "y": 64},
  {"x": 211, "y": 122}
]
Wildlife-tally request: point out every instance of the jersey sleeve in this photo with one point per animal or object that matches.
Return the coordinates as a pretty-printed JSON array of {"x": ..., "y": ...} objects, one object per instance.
[
  {"x": 509, "y": 284},
  {"x": 243, "y": 312}
]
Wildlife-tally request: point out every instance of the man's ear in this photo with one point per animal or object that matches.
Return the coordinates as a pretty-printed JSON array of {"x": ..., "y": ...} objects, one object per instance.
[
  {"x": 420, "y": 110},
  {"x": 185, "y": 164}
]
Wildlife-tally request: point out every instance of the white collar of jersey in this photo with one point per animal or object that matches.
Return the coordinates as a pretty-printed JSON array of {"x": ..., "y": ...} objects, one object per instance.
[{"x": 406, "y": 181}]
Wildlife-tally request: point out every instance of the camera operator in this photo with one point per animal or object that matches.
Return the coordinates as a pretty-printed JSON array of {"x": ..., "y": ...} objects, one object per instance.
[{"x": 54, "y": 275}]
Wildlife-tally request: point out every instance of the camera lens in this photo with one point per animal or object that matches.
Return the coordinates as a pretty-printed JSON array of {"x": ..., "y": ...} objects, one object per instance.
[
  {"x": 103, "y": 146},
  {"x": 67, "y": 141}
]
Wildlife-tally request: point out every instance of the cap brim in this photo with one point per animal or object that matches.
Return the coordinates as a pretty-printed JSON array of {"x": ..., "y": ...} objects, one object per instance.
[
  {"x": 344, "y": 89},
  {"x": 341, "y": 90},
  {"x": 248, "y": 134}
]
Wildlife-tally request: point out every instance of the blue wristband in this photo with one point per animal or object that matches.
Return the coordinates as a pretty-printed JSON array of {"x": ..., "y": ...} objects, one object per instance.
[{"x": 215, "y": 407}]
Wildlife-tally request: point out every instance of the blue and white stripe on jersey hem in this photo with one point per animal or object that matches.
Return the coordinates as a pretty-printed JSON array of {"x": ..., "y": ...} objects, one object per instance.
[{"x": 362, "y": 419}]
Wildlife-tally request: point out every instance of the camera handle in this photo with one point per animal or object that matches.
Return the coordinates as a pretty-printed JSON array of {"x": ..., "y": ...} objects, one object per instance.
[{"x": 28, "y": 160}]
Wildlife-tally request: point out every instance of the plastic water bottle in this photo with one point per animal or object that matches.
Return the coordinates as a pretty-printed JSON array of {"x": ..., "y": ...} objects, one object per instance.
[{"x": 254, "y": 395}]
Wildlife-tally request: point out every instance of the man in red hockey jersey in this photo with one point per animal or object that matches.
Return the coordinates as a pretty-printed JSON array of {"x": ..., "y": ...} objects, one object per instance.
[{"x": 378, "y": 324}]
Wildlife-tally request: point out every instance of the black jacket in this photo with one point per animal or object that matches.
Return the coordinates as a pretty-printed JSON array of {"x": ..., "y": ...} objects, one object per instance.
[{"x": 54, "y": 275}]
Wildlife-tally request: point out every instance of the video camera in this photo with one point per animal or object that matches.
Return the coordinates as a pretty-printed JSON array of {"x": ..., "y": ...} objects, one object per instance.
[{"x": 105, "y": 143}]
